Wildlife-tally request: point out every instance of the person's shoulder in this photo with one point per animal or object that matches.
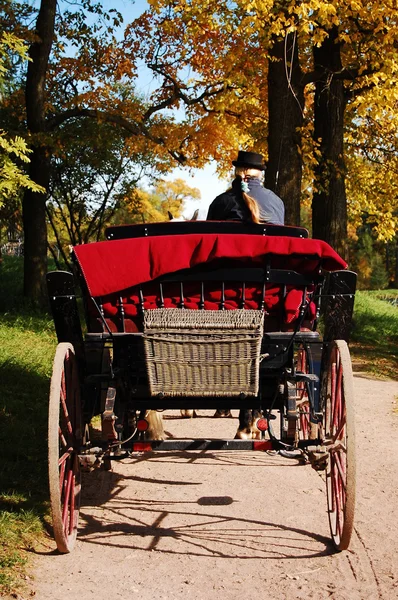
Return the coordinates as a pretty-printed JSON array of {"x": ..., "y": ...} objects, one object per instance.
[
  {"x": 224, "y": 199},
  {"x": 224, "y": 207},
  {"x": 224, "y": 195},
  {"x": 272, "y": 195},
  {"x": 273, "y": 199}
]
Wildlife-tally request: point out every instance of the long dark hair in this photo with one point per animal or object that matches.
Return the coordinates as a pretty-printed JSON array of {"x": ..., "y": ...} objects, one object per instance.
[{"x": 250, "y": 202}]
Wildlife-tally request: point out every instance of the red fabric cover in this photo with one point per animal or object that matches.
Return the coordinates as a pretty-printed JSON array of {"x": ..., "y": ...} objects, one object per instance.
[
  {"x": 110, "y": 305},
  {"x": 172, "y": 298},
  {"x": 116, "y": 265},
  {"x": 293, "y": 302}
]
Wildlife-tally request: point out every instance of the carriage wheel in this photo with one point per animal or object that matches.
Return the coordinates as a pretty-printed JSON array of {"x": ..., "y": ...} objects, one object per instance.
[
  {"x": 339, "y": 436},
  {"x": 64, "y": 442},
  {"x": 307, "y": 430}
]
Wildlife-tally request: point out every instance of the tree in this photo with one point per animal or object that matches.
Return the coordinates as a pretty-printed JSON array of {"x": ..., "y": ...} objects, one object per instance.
[
  {"x": 347, "y": 49},
  {"x": 14, "y": 151},
  {"x": 145, "y": 206},
  {"x": 34, "y": 204},
  {"x": 138, "y": 206},
  {"x": 308, "y": 48},
  {"x": 329, "y": 203},
  {"x": 85, "y": 84},
  {"x": 368, "y": 261},
  {"x": 379, "y": 276},
  {"x": 92, "y": 168},
  {"x": 232, "y": 51},
  {"x": 173, "y": 195},
  {"x": 286, "y": 119}
]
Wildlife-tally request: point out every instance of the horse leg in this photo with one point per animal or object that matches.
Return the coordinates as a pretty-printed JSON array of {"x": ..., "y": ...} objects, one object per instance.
[
  {"x": 247, "y": 429},
  {"x": 188, "y": 413},
  {"x": 155, "y": 430}
]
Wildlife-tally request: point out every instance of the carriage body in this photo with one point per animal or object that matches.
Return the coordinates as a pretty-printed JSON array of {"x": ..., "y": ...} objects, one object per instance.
[{"x": 206, "y": 315}]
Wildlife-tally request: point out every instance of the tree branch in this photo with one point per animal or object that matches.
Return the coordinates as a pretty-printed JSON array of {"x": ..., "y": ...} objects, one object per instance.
[
  {"x": 178, "y": 94},
  {"x": 136, "y": 129}
]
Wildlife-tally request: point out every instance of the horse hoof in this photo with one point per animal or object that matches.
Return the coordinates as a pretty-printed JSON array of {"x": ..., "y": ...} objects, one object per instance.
[
  {"x": 188, "y": 413},
  {"x": 243, "y": 434},
  {"x": 248, "y": 434}
]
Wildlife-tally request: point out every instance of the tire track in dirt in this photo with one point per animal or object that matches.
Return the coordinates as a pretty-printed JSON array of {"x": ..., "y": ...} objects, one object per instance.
[
  {"x": 356, "y": 569},
  {"x": 361, "y": 564}
]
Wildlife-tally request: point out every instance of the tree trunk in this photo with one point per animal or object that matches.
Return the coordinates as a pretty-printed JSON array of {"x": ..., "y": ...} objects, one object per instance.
[
  {"x": 35, "y": 230},
  {"x": 34, "y": 204},
  {"x": 285, "y": 102},
  {"x": 329, "y": 204}
]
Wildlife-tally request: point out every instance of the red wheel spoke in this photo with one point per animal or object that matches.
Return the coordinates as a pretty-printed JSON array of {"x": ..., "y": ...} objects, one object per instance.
[
  {"x": 65, "y": 456},
  {"x": 63, "y": 387},
  {"x": 65, "y": 509},
  {"x": 305, "y": 419},
  {"x": 336, "y": 489},
  {"x": 338, "y": 399},
  {"x": 341, "y": 470},
  {"x": 340, "y": 430},
  {"x": 333, "y": 481},
  {"x": 339, "y": 523},
  {"x": 63, "y": 397},
  {"x": 62, "y": 438},
  {"x": 72, "y": 506},
  {"x": 332, "y": 393},
  {"x": 66, "y": 418},
  {"x": 304, "y": 425},
  {"x": 61, "y": 477}
]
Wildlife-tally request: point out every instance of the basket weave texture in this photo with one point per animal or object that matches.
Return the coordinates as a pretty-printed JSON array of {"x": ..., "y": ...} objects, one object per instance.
[{"x": 203, "y": 352}]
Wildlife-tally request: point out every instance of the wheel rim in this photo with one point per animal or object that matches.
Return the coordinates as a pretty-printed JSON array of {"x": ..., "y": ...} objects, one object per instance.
[
  {"x": 340, "y": 439},
  {"x": 64, "y": 442}
]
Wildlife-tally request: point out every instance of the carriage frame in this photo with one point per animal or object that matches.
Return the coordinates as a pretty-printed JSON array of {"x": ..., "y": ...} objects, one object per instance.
[{"x": 303, "y": 384}]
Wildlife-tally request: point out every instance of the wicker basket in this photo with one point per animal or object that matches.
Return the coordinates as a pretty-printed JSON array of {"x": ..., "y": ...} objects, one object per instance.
[{"x": 203, "y": 352}]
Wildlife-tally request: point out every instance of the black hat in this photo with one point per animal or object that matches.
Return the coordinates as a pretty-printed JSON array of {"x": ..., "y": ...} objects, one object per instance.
[{"x": 249, "y": 160}]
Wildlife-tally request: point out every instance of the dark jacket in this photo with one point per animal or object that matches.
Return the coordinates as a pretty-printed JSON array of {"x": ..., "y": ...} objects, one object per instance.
[{"x": 230, "y": 205}]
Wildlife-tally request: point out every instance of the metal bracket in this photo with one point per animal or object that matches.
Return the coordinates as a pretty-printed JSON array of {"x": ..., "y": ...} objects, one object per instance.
[
  {"x": 310, "y": 377},
  {"x": 108, "y": 416},
  {"x": 108, "y": 413},
  {"x": 292, "y": 413}
]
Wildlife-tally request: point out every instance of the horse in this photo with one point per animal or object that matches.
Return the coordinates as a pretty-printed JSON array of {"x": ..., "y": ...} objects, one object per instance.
[
  {"x": 193, "y": 218},
  {"x": 247, "y": 428}
]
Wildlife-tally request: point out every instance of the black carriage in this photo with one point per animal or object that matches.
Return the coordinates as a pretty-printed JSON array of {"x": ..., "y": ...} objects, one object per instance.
[{"x": 202, "y": 315}]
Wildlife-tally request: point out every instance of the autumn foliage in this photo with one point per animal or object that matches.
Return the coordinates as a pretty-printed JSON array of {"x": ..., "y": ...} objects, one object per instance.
[{"x": 309, "y": 83}]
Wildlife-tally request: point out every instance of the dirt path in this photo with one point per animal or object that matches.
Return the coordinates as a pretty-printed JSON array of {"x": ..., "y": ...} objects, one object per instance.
[{"x": 230, "y": 525}]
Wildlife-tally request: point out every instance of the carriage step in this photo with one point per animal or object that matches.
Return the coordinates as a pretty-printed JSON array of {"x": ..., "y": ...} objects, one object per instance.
[{"x": 185, "y": 445}]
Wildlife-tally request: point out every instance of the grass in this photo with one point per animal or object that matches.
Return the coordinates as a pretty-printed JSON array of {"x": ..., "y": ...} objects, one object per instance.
[
  {"x": 374, "y": 340},
  {"x": 20, "y": 529},
  {"x": 27, "y": 346}
]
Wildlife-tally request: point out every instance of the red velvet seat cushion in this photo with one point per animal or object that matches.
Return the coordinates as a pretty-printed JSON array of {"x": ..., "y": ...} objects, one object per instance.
[{"x": 129, "y": 300}]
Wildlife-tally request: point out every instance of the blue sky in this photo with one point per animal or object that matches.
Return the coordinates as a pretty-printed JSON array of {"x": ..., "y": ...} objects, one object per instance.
[{"x": 205, "y": 179}]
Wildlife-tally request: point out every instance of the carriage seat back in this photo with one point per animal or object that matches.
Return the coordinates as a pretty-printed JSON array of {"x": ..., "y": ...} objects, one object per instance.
[{"x": 122, "y": 278}]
